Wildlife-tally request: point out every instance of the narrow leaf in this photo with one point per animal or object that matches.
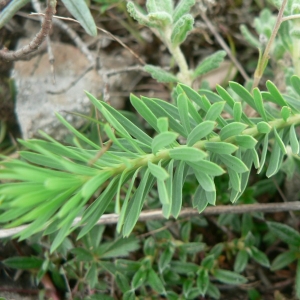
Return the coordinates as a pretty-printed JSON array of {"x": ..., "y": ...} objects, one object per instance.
[
  {"x": 237, "y": 111},
  {"x": 232, "y": 129},
  {"x": 181, "y": 29},
  {"x": 182, "y": 103},
  {"x": 187, "y": 154},
  {"x": 81, "y": 12},
  {"x": 285, "y": 113},
  {"x": 199, "y": 132},
  {"x": 220, "y": 147},
  {"x": 246, "y": 141},
  {"x": 259, "y": 104},
  {"x": 264, "y": 153},
  {"x": 293, "y": 140},
  {"x": 157, "y": 171},
  {"x": 276, "y": 94},
  {"x": 162, "y": 140},
  {"x": 207, "y": 167},
  {"x": 243, "y": 93},
  {"x": 160, "y": 74},
  {"x": 233, "y": 163},
  {"x": 215, "y": 111}
]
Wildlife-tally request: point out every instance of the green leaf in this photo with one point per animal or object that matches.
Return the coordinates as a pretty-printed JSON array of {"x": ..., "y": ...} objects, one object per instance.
[
  {"x": 81, "y": 12},
  {"x": 237, "y": 111},
  {"x": 209, "y": 63},
  {"x": 246, "y": 141},
  {"x": 160, "y": 19},
  {"x": 229, "y": 277},
  {"x": 155, "y": 282},
  {"x": 283, "y": 260},
  {"x": 235, "y": 180},
  {"x": 263, "y": 127},
  {"x": 160, "y": 74},
  {"x": 162, "y": 140},
  {"x": 279, "y": 141},
  {"x": 163, "y": 124},
  {"x": 23, "y": 263},
  {"x": 182, "y": 8},
  {"x": 165, "y": 258},
  {"x": 181, "y": 29},
  {"x": 243, "y": 93},
  {"x": 187, "y": 153},
  {"x": 163, "y": 197},
  {"x": 205, "y": 181},
  {"x": 232, "y": 129},
  {"x": 122, "y": 282},
  {"x": 233, "y": 163},
  {"x": 295, "y": 81},
  {"x": 213, "y": 291},
  {"x": 139, "y": 278},
  {"x": 144, "y": 111},
  {"x": 157, "y": 171},
  {"x": 259, "y": 104},
  {"x": 260, "y": 257},
  {"x": 241, "y": 261},
  {"x": 293, "y": 140},
  {"x": 178, "y": 181},
  {"x": 285, "y": 233},
  {"x": 182, "y": 103},
  {"x": 199, "y": 132},
  {"x": 264, "y": 153},
  {"x": 202, "y": 281},
  {"x": 215, "y": 111},
  {"x": 285, "y": 113},
  {"x": 220, "y": 147},
  {"x": 9, "y": 11},
  {"x": 276, "y": 94},
  {"x": 136, "y": 204},
  {"x": 207, "y": 167},
  {"x": 82, "y": 254}
]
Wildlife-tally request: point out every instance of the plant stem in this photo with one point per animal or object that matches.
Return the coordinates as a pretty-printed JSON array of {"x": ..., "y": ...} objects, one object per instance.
[{"x": 265, "y": 57}]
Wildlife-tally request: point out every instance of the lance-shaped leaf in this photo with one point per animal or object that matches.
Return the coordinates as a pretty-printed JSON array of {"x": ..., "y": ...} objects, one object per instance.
[
  {"x": 157, "y": 171},
  {"x": 293, "y": 140},
  {"x": 243, "y": 93},
  {"x": 237, "y": 111},
  {"x": 163, "y": 124},
  {"x": 81, "y": 12},
  {"x": 259, "y": 104},
  {"x": 144, "y": 111},
  {"x": 181, "y": 29},
  {"x": 295, "y": 81},
  {"x": 182, "y": 103},
  {"x": 246, "y": 141},
  {"x": 178, "y": 181},
  {"x": 139, "y": 15},
  {"x": 278, "y": 138},
  {"x": 209, "y": 63},
  {"x": 182, "y": 8},
  {"x": 205, "y": 181},
  {"x": 229, "y": 277},
  {"x": 264, "y": 153},
  {"x": 187, "y": 154},
  {"x": 286, "y": 233},
  {"x": 220, "y": 147},
  {"x": 160, "y": 74},
  {"x": 162, "y": 140},
  {"x": 235, "y": 180},
  {"x": 275, "y": 160},
  {"x": 199, "y": 132},
  {"x": 232, "y": 129},
  {"x": 215, "y": 111},
  {"x": 202, "y": 281},
  {"x": 207, "y": 167},
  {"x": 233, "y": 163},
  {"x": 276, "y": 94}
]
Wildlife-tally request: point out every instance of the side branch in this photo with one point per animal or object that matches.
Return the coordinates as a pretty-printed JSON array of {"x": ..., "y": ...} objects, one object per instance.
[{"x": 38, "y": 39}]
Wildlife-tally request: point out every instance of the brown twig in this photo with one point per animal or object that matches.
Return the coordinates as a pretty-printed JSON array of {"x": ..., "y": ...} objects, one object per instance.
[
  {"x": 37, "y": 40},
  {"x": 223, "y": 44},
  {"x": 185, "y": 212}
]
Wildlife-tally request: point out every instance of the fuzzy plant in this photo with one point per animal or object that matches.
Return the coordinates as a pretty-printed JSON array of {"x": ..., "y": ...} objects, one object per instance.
[
  {"x": 172, "y": 25},
  {"x": 52, "y": 184}
]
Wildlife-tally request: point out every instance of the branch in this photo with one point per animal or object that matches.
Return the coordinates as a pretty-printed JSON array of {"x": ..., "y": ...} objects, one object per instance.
[
  {"x": 38, "y": 39},
  {"x": 186, "y": 212}
]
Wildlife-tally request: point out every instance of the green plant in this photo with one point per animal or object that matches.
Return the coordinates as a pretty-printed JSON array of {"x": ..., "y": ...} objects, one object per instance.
[{"x": 61, "y": 191}]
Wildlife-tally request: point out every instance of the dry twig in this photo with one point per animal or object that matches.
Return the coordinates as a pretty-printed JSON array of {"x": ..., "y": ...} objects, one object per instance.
[
  {"x": 186, "y": 212},
  {"x": 38, "y": 39}
]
